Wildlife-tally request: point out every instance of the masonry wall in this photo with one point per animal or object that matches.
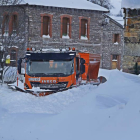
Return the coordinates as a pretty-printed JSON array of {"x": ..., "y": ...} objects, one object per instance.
[
  {"x": 132, "y": 39},
  {"x": 108, "y": 46},
  {"x": 18, "y": 41},
  {"x": 100, "y": 36}
]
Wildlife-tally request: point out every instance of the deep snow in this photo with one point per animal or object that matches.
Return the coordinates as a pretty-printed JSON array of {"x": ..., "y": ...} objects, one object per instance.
[{"x": 110, "y": 111}]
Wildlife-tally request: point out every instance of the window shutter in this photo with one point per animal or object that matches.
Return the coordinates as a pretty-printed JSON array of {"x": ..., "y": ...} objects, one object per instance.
[
  {"x": 65, "y": 24},
  {"x": 6, "y": 24},
  {"x": 118, "y": 60},
  {"x": 84, "y": 26},
  {"x": 15, "y": 23},
  {"x": 113, "y": 39},
  {"x": 119, "y": 38},
  {"x": 13, "y": 57},
  {"x": 45, "y": 25}
]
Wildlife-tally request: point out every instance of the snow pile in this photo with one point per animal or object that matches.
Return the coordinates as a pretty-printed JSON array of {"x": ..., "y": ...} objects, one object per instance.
[
  {"x": 110, "y": 111},
  {"x": 46, "y": 36},
  {"x": 77, "y": 4},
  {"x": 65, "y": 37},
  {"x": 10, "y": 73},
  {"x": 132, "y": 4}
]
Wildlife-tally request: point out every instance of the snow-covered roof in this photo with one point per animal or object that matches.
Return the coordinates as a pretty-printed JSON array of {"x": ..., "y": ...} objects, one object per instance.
[
  {"x": 76, "y": 4},
  {"x": 118, "y": 19},
  {"x": 132, "y": 4}
]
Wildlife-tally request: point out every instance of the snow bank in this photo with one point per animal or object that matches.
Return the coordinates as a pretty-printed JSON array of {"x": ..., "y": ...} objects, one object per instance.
[
  {"x": 77, "y": 4},
  {"x": 110, "y": 111}
]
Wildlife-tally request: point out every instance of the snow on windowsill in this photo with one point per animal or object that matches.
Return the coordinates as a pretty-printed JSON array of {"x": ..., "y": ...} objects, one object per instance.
[
  {"x": 114, "y": 60},
  {"x": 12, "y": 46},
  {"x": 5, "y": 34},
  {"x": 84, "y": 38},
  {"x": 65, "y": 37},
  {"x": 1, "y": 48},
  {"x": 116, "y": 43},
  {"x": 46, "y": 36}
]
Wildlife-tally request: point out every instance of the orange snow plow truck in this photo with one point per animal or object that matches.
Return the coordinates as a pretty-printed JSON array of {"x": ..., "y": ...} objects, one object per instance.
[{"x": 49, "y": 71}]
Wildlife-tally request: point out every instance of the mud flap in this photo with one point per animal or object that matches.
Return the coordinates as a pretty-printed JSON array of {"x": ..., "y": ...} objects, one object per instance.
[{"x": 102, "y": 79}]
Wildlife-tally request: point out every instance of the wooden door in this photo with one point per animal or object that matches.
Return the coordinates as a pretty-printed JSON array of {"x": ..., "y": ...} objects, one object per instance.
[{"x": 114, "y": 64}]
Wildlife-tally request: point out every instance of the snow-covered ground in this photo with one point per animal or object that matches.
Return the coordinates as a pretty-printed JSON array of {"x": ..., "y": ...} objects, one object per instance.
[{"x": 110, "y": 111}]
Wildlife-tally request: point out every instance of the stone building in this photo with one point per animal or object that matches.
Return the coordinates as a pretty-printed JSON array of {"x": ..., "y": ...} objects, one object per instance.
[
  {"x": 75, "y": 23},
  {"x": 131, "y": 61}
]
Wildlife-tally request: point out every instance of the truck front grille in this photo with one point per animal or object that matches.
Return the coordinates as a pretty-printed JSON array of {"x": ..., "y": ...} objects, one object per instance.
[{"x": 49, "y": 86}]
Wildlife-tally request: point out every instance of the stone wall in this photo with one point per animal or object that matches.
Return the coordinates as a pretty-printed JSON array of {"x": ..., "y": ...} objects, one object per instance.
[
  {"x": 100, "y": 40},
  {"x": 132, "y": 39},
  {"x": 100, "y": 36},
  {"x": 108, "y": 46},
  {"x": 18, "y": 40}
]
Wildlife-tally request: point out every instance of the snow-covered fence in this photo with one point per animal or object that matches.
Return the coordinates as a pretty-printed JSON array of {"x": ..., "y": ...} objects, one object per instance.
[
  {"x": 10, "y": 74},
  {"x": 1, "y": 61}
]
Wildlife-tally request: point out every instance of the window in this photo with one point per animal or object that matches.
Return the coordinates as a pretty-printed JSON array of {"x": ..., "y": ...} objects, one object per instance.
[
  {"x": 5, "y": 28},
  {"x": 66, "y": 26},
  {"x": 114, "y": 57},
  {"x": 14, "y": 24},
  {"x": 13, "y": 56},
  {"x": 115, "y": 61},
  {"x": 46, "y": 25},
  {"x": 65, "y": 30},
  {"x": 116, "y": 38},
  {"x": 84, "y": 28}
]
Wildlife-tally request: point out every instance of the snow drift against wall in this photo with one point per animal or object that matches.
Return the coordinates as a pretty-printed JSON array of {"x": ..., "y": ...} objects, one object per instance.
[
  {"x": 131, "y": 4},
  {"x": 77, "y": 4}
]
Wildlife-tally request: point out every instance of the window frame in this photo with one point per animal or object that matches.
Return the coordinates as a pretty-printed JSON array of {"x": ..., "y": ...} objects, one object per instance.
[
  {"x": 3, "y": 22},
  {"x": 11, "y": 23},
  {"x": 118, "y": 60},
  {"x": 116, "y": 38},
  {"x": 16, "y": 55},
  {"x": 70, "y": 22},
  {"x": 50, "y": 25},
  {"x": 88, "y": 26}
]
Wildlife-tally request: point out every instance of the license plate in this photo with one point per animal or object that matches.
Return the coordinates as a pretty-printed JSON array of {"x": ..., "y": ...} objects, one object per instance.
[{"x": 34, "y": 79}]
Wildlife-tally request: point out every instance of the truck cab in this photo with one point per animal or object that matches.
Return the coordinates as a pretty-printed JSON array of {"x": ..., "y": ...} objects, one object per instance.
[{"x": 54, "y": 71}]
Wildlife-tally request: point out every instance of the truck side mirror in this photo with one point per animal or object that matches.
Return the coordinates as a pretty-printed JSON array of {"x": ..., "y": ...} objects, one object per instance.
[
  {"x": 82, "y": 61},
  {"x": 82, "y": 68},
  {"x": 19, "y": 65}
]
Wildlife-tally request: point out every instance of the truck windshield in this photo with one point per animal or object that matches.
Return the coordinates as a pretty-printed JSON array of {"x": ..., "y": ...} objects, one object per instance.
[{"x": 55, "y": 68}]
